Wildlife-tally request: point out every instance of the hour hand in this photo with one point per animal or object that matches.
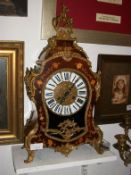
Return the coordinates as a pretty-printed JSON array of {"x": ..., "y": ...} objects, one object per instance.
[{"x": 62, "y": 99}]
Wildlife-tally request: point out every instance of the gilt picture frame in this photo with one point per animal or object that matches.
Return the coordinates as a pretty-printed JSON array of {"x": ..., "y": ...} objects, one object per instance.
[
  {"x": 114, "y": 102},
  {"x": 84, "y": 35},
  {"x": 11, "y": 91}
]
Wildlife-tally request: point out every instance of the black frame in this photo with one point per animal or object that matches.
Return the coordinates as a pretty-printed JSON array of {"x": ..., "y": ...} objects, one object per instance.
[{"x": 112, "y": 66}]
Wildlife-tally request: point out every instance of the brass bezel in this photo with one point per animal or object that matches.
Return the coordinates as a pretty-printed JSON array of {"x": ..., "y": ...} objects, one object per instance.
[{"x": 70, "y": 70}]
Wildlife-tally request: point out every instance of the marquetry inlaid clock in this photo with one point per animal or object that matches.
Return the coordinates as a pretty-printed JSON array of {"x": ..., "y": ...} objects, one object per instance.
[{"x": 64, "y": 90}]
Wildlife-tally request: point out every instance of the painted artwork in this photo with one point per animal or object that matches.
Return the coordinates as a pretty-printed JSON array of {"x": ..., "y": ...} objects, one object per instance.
[
  {"x": 13, "y": 7},
  {"x": 11, "y": 91},
  {"x": 3, "y": 93},
  {"x": 120, "y": 89}
]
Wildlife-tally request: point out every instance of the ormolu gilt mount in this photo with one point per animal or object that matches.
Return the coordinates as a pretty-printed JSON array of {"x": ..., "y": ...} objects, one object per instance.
[
  {"x": 123, "y": 144},
  {"x": 64, "y": 90}
]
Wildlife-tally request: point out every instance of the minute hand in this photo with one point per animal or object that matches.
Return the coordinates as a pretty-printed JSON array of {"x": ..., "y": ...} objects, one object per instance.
[{"x": 66, "y": 93}]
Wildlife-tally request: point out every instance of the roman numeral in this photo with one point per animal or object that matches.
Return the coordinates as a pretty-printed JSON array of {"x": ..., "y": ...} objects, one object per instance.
[
  {"x": 80, "y": 84},
  {"x": 74, "y": 77},
  {"x": 65, "y": 76},
  {"x": 82, "y": 92},
  {"x": 74, "y": 108},
  {"x": 80, "y": 101},
  {"x": 57, "y": 78},
  {"x": 51, "y": 102},
  {"x": 48, "y": 94},
  {"x": 51, "y": 85},
  {"x": 57, "y": 108},
  {"x": 66, "y": 110}
]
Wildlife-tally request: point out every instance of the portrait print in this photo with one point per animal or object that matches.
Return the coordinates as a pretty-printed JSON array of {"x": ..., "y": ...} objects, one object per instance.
[{"x": 120, "y": 89}]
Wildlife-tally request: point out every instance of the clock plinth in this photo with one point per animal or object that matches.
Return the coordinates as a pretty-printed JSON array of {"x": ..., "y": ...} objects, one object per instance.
[{"x": 64, "y": 90}]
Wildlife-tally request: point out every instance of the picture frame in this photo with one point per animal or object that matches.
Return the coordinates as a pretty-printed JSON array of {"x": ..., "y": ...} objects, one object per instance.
[
  {"x": 114, "y": 102},
  {"x": 83, "y": 36},
  {"x": 11, "y": 91}
]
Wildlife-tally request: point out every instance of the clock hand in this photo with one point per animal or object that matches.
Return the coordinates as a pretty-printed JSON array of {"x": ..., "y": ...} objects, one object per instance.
[
  {"x": 67, "y": 93},
  {"x": 64, "y": 97}
]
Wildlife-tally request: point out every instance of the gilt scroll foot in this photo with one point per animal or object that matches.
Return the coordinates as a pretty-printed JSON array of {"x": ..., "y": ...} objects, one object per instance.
[
  {"x": 30, "y": 157},
  {"x": 99, "y": 148}
]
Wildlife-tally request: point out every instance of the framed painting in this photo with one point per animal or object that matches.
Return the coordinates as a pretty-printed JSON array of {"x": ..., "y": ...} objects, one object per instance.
[
  {"x": 114, "y": 102},
  {"x": 11, "y": 91},
  {"x": 96, "y": 21},
  {"x": 13, "y": 7}
]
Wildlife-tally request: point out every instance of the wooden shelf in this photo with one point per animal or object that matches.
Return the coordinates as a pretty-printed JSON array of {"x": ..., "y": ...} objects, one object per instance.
[{"x": 48, "y": 159}]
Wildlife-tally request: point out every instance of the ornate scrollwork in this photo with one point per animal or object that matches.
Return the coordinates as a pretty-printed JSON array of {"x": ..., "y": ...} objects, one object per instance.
[
  {"x": 29, "y": 78},
  {"x": 123, "y": 144},
  {"x": 98, "y": 85},
  {"x": 66, "y": 148},
  {"x": 68, "y": 128},
  {"x": 63, "y": 25}
]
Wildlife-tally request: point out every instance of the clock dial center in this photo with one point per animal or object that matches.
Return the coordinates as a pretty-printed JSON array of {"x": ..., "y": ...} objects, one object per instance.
[{"x": 65, "y": 93}]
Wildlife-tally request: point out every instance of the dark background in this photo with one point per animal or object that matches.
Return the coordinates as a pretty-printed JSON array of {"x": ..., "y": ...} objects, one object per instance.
[{"x": 21, "y": 7}]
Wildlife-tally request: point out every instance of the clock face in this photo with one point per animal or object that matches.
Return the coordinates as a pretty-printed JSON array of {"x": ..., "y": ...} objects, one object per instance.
[{"x": 65, "y": 93}]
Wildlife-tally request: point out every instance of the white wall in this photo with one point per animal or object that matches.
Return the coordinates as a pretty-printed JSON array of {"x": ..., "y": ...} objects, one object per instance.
[{"x": 28, "y": 29}]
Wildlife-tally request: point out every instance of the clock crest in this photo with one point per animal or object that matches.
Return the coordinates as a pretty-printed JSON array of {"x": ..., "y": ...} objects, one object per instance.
[{"x": 64, "y": 90}]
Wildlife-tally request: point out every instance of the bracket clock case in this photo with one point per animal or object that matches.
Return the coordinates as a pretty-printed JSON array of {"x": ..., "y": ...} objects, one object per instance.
[{"x": 64, "y": 90}]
